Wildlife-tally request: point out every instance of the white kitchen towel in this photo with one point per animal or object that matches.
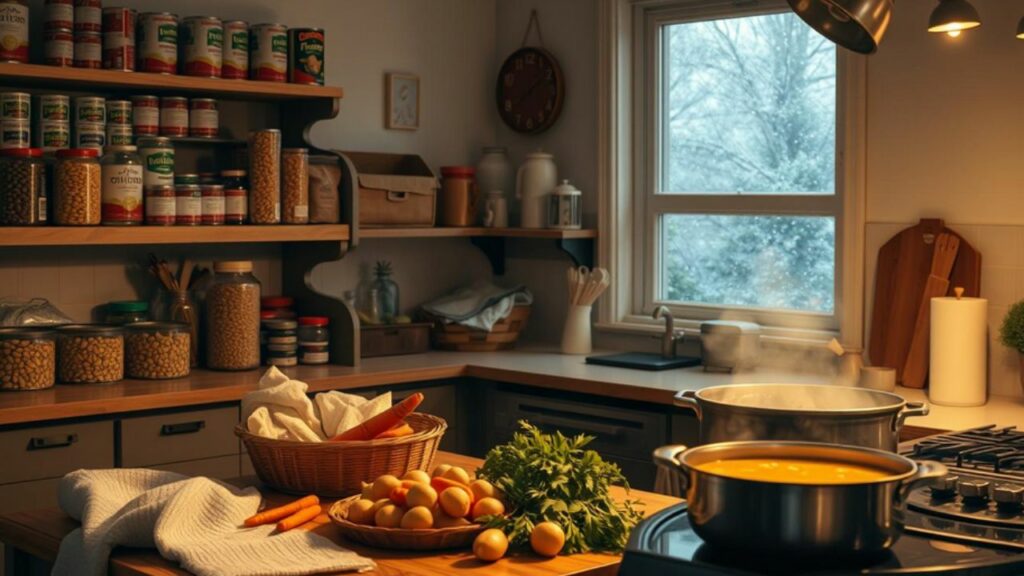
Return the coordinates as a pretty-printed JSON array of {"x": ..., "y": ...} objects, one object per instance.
[
  {"x": 340, "y": 411},
  {"x": 479, "y": 305},
  {"x": 196, "y": 522}
]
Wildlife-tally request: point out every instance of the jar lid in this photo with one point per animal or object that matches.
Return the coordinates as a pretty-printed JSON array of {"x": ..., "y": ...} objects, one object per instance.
[
  {"x": 314, "y": 321},
  {"x": 233, "y": 173},
  {"x": 280, "y": 324},
  {"x": 128, "y": 306},
  {"x": 78, "y": 153},
  {"x": 18, "y": 332},
  {"x": 268, "y": 314},
  {"x": 22, "y": 152},
  {"x": 157, "y": 327},
  {"x": 186, "y": 178},
  {"x": 90, "y": 330},
  {"x": 566, "y": 189},
  {"x": 277, "y": 302},
  {"x": 456, "y": 171},
  {"x": 227, "y": 266}
]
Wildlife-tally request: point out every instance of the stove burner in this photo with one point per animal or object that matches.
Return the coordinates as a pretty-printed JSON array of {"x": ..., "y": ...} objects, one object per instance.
[{"x": 999, "y": 450}]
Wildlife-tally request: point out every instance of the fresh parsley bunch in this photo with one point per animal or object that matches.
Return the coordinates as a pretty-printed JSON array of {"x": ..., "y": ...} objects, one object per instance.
[{"x": 554, "y": 478}]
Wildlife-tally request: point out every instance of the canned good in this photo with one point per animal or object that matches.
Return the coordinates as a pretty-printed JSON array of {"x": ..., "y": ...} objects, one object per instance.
[
  {"x": 88, "y": 50},
  {"x": 15, "y": 106},
  {"x": 236, "y": 197},
  {"x": 118, "y": 38},
  {"x": 121, "y": 172},
  {"x": 119, "y": 112},
  {"x": 213, "y": 204},
  {"x": 90, "y": 109},
  {"x": 90, "y": 135},
  {"x": 119, "y": 134},
  {"x": 203, "y": 46},
  {"x": 14, "y": 31},
  {"x": 173, "y": 116},
  {"x": 161, "y": 209},
  {"x": 186, "y": 179},
  {"x": 236, "y": 50},
  {"x": 158, "y": 42},
  {"x": 15, "y": 133},
  {"x": 203, "y": 119},
  {"x": 306, "y": 56},
  {"x": 145, "y": 115},
  {"x": 54, "y": 107},
  {"x": 188, "y": 204},
  {"x": 157, "y": 161},
  {"x": 58, "y": 15},
  {"x": 59, "y": 47},
  {"x": 89, "y": 16},
  {"x": 53, "y": 135},
  {"x": 268, "y": 54}
]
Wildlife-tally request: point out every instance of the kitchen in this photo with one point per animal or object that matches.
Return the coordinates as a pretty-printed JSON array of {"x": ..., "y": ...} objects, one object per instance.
[{"x": 924, "y": 130}]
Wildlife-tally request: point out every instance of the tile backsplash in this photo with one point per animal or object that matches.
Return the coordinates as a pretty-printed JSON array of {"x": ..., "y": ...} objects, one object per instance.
[{"x": 1002, "y": 283}]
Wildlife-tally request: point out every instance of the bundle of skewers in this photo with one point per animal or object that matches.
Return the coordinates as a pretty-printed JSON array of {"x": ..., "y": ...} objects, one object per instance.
[
  {"x": 181, "y": 309},
  {"x": 585, "y": 285}
]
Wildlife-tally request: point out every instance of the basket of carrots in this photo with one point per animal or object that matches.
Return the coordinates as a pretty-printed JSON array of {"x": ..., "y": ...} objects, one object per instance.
[{"x": 391, "y": 442}]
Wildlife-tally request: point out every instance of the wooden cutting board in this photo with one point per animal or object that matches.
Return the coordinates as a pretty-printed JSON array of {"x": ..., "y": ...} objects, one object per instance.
[{"x": 904, "y": 263}]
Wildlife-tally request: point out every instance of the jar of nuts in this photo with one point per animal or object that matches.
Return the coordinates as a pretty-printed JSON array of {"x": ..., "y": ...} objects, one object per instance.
[
  {"x": 22, "y": 187},
  {"x": 77, "y": 187},
  {"x": 157, "y": 350},
  {"x": 88, "y": 353},
  {"x": 27, "y": 358},
  {"x": 295, "y": 195},
  {"x": 232, "y": 315},
  {"x": 265, "y": 177}
]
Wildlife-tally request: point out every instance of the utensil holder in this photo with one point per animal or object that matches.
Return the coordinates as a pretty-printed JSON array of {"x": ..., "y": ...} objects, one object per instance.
[{"x": 576, "y": 334}]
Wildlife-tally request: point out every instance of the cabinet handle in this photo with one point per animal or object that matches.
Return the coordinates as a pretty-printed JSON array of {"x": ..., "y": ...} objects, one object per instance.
[
  {"x": 59, "y": 441},
  {"x": 590, "y": 428},
  {"x": 182, "y": 428}
]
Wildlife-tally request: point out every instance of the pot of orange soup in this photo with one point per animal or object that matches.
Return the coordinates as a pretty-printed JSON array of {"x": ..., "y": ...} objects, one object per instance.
[{"x": 782, "y": 498}]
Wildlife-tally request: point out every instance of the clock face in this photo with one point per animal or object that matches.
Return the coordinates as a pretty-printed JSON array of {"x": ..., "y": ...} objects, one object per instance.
[{"x": 530, "y": 90}]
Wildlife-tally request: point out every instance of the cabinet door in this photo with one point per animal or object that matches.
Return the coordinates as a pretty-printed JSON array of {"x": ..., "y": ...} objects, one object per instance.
[
  {"x": 179, "y": 437},
  {"x": 441, "y": 401},
  {"x": 52, "y": 451}
]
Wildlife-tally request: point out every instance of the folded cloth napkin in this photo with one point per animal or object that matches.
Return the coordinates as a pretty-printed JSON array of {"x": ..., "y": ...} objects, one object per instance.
[
  {"x": 196, "y": 522},
  {"x": 479, "y": 305},
  {"x": 280, "y": 409}
]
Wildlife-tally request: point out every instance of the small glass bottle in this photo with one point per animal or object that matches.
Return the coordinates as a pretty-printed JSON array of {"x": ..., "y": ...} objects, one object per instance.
[
  {"x": 314, "y": 339},
  {"x": 387, "y": 293}
]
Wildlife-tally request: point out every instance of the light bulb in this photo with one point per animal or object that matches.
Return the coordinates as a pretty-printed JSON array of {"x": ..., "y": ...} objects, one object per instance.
[{"x": 953, "y": 33}]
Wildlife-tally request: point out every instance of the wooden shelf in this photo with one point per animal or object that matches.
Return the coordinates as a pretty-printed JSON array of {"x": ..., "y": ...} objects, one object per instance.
[
  {"x": 136, "y": 235},
  {"x": 90, "y": 80},
  {"x": 476, "y": 232},
  {"x": 193, "y": 140}
]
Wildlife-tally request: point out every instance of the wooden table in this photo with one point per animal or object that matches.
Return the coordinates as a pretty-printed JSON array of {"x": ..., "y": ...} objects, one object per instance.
[{"x": 38, "y": 533}]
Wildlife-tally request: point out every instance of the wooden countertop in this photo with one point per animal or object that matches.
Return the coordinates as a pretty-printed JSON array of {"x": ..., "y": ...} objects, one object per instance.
[{"x": 39, "y": 533}]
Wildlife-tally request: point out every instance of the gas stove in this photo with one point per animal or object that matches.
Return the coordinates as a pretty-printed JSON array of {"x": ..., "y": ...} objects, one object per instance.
[{"x": 970, "y": 523}]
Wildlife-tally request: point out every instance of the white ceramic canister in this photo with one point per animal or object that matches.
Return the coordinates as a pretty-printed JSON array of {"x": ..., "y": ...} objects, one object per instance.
[
  {"x": 958, "y": 367},
  {"x": 536, "y": 178},
  {"x": 493, "y": 171}
]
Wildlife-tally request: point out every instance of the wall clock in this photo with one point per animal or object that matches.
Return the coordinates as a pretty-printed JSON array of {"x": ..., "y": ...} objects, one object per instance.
[{"x": 530, "y": 90}]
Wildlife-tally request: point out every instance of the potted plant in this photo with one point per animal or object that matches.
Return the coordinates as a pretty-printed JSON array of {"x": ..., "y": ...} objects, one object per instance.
[{"x": 1012, "y": 333}]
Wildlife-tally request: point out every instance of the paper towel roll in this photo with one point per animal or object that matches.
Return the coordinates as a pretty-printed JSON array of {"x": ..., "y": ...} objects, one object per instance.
[{"x": 957, "y": 375}]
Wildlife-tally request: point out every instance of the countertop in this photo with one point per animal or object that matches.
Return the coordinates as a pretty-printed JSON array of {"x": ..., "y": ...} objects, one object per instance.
[{"x": 39, "y": 532}]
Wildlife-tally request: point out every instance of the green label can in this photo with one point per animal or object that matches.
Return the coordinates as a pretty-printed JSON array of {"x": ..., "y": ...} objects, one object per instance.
[{"x": 157, "y": 161}]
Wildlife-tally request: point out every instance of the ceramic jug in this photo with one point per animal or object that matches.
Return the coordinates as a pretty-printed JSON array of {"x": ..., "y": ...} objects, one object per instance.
[
  {"x": 536, "y": 178},
  {"x": 496, "y": 210}
]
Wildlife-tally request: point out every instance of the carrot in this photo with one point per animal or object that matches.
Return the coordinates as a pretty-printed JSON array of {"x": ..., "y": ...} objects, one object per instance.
[
  {"x": 272, "y": 515},
  {"x": 369, "y": 429},
  {"x": 396, "y": 431},
  {"x": 398, "y": 495},
  {"x": 439, "y": 484},
  {"x": 299, "y": 518}
]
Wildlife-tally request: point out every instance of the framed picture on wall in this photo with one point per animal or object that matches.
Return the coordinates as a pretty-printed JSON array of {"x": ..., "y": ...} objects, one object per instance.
[{"x": 402, "y": 101}]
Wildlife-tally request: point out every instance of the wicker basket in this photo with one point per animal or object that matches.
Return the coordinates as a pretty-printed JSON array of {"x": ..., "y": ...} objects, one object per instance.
[
  {"x": 400, "y": 538},
  {"x": 503, "y": 334},
  {"x": 338, "y": 469}
]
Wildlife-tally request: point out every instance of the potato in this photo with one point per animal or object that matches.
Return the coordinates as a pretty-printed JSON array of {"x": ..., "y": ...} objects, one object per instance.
[
  {"x": 455, "y": 502},
  {"x": 361, "y": 512},
  {"x": 457, "y": 474},
  {"x": 389, "y": 516},
  {"x": 383, "y": 486},
  {"x": 421, "y": 495},
  {"x": 417, "y": 476}
]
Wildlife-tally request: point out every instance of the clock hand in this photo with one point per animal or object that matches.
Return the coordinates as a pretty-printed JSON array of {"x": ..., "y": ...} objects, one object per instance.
[{"x": 530, "y": 90}]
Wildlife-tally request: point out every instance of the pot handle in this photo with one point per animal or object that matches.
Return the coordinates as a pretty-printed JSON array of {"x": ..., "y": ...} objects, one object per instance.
[
  {"x": 926, "y": 470},
  {"x": 909, "y": 410},
  {"x": 688, "y": 399},
  {"x": 667, "y": 458}
]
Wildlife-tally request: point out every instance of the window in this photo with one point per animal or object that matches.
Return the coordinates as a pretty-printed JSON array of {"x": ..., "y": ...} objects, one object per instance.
[{"x": 737, "y": 170}]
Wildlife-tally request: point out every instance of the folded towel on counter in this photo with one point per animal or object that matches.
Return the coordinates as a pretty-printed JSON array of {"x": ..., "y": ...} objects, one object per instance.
[
  {"x": 480, "y": 305},
  {"x": 196, "y": 522},
  {"x": 280, "y": 409}
]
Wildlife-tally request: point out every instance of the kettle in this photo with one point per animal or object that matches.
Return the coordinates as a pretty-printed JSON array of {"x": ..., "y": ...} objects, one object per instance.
[{"x": 536, "y": 178}]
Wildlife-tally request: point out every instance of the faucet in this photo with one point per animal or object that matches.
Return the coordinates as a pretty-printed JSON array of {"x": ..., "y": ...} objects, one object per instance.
[{"x": 669, "y": 339}]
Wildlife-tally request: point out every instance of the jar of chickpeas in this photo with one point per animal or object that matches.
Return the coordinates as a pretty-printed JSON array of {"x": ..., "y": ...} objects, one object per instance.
[
  {"x": 295, "y": 184},
  {"x": 22, "y": 187},
  {"x": 232, "y": 313},
  {"x": 265, "y": 177},
  {"x": 77, "y": 187}
]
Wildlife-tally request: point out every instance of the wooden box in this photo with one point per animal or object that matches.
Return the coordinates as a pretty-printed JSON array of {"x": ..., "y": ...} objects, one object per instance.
[
  {"x": 394, "y": 189},
  {"x": 394, "y": 339}
]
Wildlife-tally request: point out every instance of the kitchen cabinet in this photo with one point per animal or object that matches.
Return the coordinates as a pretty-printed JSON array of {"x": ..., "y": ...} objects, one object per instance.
[
  {"x": 181, "y": 436},
  {"x": 40, "y": 452}
]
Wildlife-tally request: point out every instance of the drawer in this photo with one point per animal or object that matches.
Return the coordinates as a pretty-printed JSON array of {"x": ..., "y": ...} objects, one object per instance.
[
  {"x": 178, "y": 437},
  {"x": 28, "y": 495},
  {"x": 53, "y": 451},
  {"x": 223, "y": 467}
]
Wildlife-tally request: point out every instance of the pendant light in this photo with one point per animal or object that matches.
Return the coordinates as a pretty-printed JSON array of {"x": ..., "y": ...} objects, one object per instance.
[
  {"x": 953, "y": 17},
  {"x": 854, "y": 24}
]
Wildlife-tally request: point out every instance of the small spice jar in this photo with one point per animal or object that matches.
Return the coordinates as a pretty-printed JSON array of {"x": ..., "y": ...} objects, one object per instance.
[
  {"x": 157, "y": 350},
  {"x": 277, "y": 307},
  {"x": 121, "y": 312},
  {"x": 232, "y": 310},
  {"x": 295, "y": 195},
  {"x": 265, "y": 176},
  {"x": 314, "y": 339},
  {"x": 77, "y": 187},
  {"x": 236, "y": 197},
  {"x": 22, "y": 187},
  {"x": 122, "y": 185},
  {"x": 27, "y": 358},
  {"x": 213, "y": 204},
  {"x": 90, "y": 354}
]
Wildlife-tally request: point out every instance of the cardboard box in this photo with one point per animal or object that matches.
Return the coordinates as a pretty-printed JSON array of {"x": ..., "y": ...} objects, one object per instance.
[{"x": 394, "y": 189}]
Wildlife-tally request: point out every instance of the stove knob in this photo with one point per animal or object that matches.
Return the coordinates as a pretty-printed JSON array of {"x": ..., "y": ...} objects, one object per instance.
[
  {"x": 945, "y": 487},
  {"x": 973, "y": 489},
  {"x": 1008, "y": 495}
]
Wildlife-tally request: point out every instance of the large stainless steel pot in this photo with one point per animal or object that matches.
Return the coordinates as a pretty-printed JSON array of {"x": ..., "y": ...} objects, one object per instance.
[
  {"x": 837, "y": 520},
  {"x": 808, "y": 412}
]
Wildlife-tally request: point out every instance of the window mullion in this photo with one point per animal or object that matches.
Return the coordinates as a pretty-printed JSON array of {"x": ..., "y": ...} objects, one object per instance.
[{"x": 744, "y": 204}]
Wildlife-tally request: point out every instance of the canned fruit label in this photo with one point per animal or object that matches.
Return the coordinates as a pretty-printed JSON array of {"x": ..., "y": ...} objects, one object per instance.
[
  {"x": 307, "y": 56},
  {"x": 90, "y": 109},
  {"x": 59, "y": 14},
  {"x": 122, "y": 193},
  {"x": 15, "y": 106},
  {"x": 15, "y": 134},
  {"x": 13, "y": 32},
  {"x": 54, "y": 135},
  {"x": 158, "y": 43},
  {"x": 59, "y": 48},
  {"x": 88, "y": 16},
  {"x": 54, "y": 107},
  {"x": 268, "y": 58},
  {"x": 204, "y": 47},
  {"x": 236, "y": 51},
  {"x": 158, "y": 166}
]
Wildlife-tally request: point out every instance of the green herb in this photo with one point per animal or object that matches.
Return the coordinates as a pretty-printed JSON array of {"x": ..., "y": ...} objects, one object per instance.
[
  {"x": 548, "y": 477},
  {"x": 1012, "y": 331}
]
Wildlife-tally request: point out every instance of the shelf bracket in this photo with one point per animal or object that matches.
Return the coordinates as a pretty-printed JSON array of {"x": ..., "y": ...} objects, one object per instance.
[
  {"x": 494, "y": 248},
  {"x": 580, "y": 250}
]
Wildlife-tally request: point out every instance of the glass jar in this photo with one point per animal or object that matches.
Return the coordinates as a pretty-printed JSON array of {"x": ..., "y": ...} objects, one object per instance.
[
  {"x": 232, "y": 316},
  {"x": 236, "y": 197},
  {"x": 27, "y": 359},
  {"x": 265, "y": 177},
  {"x": 22, "y": 187},
  {"x": 387, "y": 294},
  {"x": 77, "y": 187},
  {"x": 180, "y": 308},
  {"x": 122, "y": 185},
  {"x": 124, "y": 312},
  {"x": 90, "y": 354},
  {"x": 314, "y": 339},
  {"x": 564, "y": 210},
  {"x": 157, "y": 350},
  {"x": 295, "y": 176}
]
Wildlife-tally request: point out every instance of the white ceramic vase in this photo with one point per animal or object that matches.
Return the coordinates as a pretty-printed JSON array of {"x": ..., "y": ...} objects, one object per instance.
[{"x": 536, "y": 178}]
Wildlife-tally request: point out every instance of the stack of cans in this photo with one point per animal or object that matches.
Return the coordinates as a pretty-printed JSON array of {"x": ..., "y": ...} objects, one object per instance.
[
  {"x": 90, "y": 117},
  {"x": 15, "y": 119},
  {"x": 54, "y": 127},
  {"x": 119, "y": 123}
]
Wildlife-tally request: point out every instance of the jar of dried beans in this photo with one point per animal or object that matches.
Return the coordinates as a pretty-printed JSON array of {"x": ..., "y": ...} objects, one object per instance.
[
  {"x": 232, "y": 311},
  {"x": 22, "y": 187},
  {"x": 77, "y": 187}
]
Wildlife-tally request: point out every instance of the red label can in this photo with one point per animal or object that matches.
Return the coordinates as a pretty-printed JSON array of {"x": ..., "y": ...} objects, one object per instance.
[
  {"x": 236, "y": 50},
  {"x": 188, "y": 204},
  {"x": 118, "y": 38},
  {"x": 157, "y": 42},
  {"x": 59, "y": 14},
  {"x": 268, "y": 52},
  {"x": 161, "y": 205},
  {"x": 89, "y": 16},
  {"x": 59, "y": 47},
  {"x": 174, "y": 116},
  {"x": 145, "y": 115},
  {"x": 13, "y": 31},
  {"x": 203, "y": 118},
  {"x": 203, "y": 46},
  {"x": 88, "y": 50}
]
